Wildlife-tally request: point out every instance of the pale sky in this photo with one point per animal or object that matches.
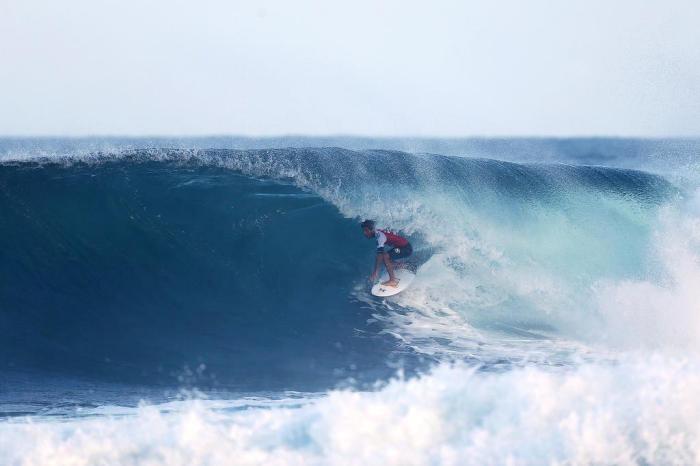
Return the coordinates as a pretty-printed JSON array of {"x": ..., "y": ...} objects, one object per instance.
[{"x": 361, "y": 67}]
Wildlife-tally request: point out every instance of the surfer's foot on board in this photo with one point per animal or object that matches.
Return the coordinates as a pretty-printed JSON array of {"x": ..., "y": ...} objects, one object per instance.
[{"x": 393, "y": 282}]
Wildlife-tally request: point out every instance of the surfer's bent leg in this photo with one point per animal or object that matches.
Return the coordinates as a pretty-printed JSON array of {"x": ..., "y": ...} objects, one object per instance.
[{"x": 390, "y": 269}]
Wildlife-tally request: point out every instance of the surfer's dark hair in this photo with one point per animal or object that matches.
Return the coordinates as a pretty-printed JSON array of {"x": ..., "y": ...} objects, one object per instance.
[{"x": 367, "y": 224}]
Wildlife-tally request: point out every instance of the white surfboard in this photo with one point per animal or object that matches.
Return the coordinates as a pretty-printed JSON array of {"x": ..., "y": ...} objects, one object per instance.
[{"x": 405, "y": 278}]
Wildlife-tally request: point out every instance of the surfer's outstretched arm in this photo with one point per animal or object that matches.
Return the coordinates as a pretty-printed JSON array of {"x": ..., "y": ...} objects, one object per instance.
[{"x": 377, "y": 265}]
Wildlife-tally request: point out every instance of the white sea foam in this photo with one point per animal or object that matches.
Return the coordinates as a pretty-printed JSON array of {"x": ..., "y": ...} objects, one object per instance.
[
  {"x": 549, "y": 287},
  {"x": 663, "y": 311},
  {"x": 657, "y": 308},
  {"x": 640, "y": 411},
  {"x": 489, "y": 289}
]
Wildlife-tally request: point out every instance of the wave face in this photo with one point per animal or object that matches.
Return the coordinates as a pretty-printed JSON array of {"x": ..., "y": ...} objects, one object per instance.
[
  {"x": 152, "y": 264},
  {"x": 144, "y": 270}
]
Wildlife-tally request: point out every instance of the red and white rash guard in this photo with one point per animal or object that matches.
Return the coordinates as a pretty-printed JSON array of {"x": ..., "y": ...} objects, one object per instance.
[{"x": 387, "y": 238}]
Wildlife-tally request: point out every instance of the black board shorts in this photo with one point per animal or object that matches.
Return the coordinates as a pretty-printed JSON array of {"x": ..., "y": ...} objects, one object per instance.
[{"x": 400, "y": 253}]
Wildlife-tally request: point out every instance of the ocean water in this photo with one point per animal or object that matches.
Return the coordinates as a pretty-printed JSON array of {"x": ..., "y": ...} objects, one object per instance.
[{"x": 205, "y": 301}]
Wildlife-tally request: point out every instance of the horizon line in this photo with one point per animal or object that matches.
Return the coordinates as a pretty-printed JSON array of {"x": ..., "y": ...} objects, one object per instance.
[{"x": 340, "y": 136}]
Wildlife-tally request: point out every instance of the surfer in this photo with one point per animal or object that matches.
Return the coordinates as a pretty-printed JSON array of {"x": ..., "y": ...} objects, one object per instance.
[{"x": 390, "y": 247}]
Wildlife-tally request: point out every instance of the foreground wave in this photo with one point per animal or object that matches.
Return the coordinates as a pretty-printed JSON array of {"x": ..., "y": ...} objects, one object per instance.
[{"x": 635, "y": 412}]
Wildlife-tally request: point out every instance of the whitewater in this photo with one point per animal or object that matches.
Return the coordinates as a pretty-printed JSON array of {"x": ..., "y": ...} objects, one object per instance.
[{"x": 205, "y": 301}]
